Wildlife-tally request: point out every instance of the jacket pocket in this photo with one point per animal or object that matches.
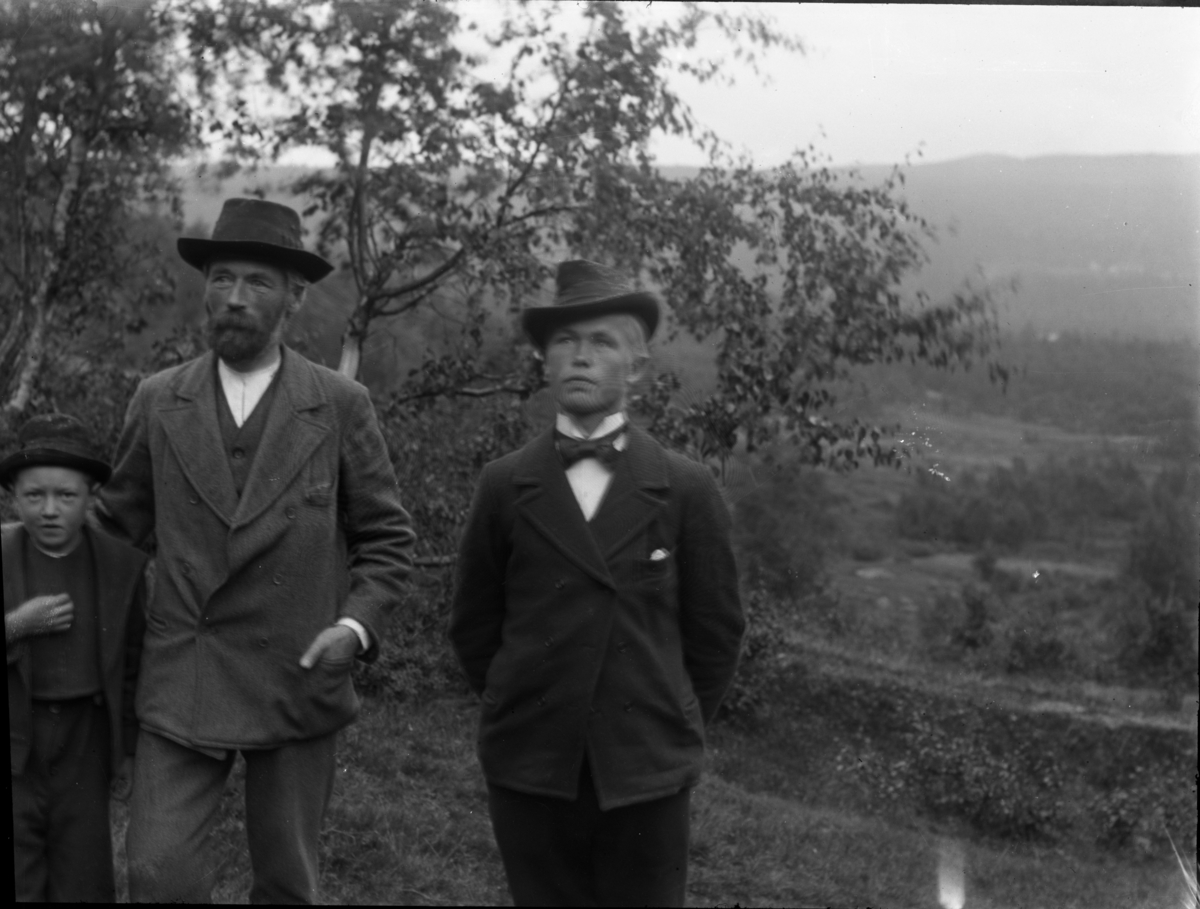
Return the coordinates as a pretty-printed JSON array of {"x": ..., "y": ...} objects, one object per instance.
[
  {"x": 657, "y": 574},
  {"x": 319, "y": 494}
]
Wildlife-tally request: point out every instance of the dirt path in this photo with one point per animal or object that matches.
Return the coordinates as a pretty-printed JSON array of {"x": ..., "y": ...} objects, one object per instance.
[{"x": 1111, "y": 706}]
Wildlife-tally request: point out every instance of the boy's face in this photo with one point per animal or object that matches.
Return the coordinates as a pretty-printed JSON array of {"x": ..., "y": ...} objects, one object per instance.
[
  {"x": 52, "y": 503},
  {"x": 590, "y": 367}
]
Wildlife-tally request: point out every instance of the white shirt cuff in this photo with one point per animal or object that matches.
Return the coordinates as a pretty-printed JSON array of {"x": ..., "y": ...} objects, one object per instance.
[{"x": 357, "y": 627}]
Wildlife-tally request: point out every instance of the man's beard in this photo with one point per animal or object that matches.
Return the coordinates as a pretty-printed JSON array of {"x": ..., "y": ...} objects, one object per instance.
[{"x": 236, "y": 340}]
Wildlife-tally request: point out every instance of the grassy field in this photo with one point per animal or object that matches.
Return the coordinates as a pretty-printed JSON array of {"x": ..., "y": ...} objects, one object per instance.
[
  {"x": 776, "y": 821},
  {"x": 408, "y": 825}
]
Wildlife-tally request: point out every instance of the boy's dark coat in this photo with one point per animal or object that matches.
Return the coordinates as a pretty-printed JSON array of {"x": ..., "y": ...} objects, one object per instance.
[
  {"x": 121, "y": 603},
  {"x": 578, "y": 641}
]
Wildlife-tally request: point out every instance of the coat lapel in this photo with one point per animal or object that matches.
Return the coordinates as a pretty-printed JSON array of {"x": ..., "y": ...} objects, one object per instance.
[
  {"x": 547, "y": 503},
  {"x": 295, "y": 427},
  {"x": 190, "y": 421},
  {"x": 636, "y": 494}
]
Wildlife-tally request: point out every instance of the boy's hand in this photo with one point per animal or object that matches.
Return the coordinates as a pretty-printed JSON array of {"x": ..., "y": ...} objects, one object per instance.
[
  {"x": 122, "y": 783},
  {"x": 49, "y": 614}
]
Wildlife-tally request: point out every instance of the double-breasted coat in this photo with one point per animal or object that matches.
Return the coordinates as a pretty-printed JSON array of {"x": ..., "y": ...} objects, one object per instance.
[
  {"x": 244, "y": 585},
  {"x": 120, "y": 606},
  {"x": 615, "y": 638}
]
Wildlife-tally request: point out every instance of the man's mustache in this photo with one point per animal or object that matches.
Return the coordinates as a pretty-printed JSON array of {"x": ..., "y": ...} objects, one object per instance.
[{"x": 233, "y": 321}]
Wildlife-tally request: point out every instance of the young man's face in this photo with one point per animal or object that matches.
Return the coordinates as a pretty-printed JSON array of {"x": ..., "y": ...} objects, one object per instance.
[
  {"x": 591, "y": 367},
  {"x": 247, "y": 304},
  {"x": 52, "y": 503}
]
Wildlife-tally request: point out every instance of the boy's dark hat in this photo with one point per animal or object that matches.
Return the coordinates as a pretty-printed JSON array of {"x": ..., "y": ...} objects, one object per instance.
[
  {"x": 259, "y": 230},
  {"x": 586, "y": 290},
  {"x": 54, "y": 440}
]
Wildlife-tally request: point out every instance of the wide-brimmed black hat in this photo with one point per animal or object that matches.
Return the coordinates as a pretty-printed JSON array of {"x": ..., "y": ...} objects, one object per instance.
[
  {"x": 54, "y": 440},
  {"x": 586, "y": 290},
  {"x": 259, "y": 230}
]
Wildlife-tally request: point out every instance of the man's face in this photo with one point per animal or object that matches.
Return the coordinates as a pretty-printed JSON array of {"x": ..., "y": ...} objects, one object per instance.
[
  {"x": 248, "y": 303},
  {"x": 52, "y": 503},
  {"x": 591, "y": 366}
]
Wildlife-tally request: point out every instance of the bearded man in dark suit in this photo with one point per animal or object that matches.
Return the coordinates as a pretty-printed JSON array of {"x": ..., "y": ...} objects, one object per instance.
[
  {"x": 596, "y": 613},
  {"x": 282, "y": 547}
]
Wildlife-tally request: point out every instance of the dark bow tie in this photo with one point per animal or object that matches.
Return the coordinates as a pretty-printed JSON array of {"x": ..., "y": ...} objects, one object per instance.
[{"x": 603, "y": 449}]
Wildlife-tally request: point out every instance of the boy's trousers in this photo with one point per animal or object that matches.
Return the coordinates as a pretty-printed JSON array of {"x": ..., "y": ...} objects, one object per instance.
[{"x": 62, "y": 848}]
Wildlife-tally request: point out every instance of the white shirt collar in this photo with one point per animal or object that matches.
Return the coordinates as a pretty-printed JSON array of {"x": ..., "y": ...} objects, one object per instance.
[
  {"x": 228, "y": 373},
  {"x": 611, "y": 423},
  {"x": 243, "y": 390}
]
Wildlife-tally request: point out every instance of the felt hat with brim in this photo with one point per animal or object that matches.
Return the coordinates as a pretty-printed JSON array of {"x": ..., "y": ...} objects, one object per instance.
[
  {"x": 588, "y": 290},
  {"x": 258, "y": 230},
  {"x": 54, "y": 440}
]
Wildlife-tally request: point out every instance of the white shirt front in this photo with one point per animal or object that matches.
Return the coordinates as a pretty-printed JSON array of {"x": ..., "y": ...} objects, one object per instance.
[
  {"x": 589, "y": 477},
  {"x": 243, "y": 390}
]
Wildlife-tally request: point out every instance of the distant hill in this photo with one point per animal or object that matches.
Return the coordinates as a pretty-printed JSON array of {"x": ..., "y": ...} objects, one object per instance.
[{"x": 1098, "y": 244}]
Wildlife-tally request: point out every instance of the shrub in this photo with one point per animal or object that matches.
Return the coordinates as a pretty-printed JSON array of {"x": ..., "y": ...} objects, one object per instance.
[
  {"x": 1159, "y": 642},
  {"x": 780, "y": 533},
  {"x": 955, "y": 625},
  {"x": 763, "y": 650},
  {"x": 1164, "y": 546},
  {"x": 1013, "y": 506},
  {"x": 973, "y": 632},
  {"x": 1010, "y": 792},
  {"x": 1035, "y": 647},
  {"x": 416, "y": 660}
]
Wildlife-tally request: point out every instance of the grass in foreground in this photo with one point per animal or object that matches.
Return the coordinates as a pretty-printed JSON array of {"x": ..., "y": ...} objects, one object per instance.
[{"x": 408, "y": 825}]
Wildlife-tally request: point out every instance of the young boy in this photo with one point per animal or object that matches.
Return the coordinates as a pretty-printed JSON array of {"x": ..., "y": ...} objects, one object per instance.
[{"x": 73, "y": 621}]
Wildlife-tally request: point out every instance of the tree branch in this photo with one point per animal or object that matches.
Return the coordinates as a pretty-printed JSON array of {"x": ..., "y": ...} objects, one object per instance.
[
  {"x": 433, "y": 276},
  {"x": 449, "y": 391}
]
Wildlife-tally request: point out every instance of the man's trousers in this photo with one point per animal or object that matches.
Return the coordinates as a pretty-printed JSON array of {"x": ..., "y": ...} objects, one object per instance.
[
  {"x": 62, "y": 847},
  {"x": 561, "y": 853},
  {"x": 177, "y": 796}
]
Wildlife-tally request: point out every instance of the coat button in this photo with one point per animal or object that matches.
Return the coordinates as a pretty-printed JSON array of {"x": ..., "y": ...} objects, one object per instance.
[
  {"x": 548, "y": 642},
  {"x": 291, "y": 513},
  {"x": 194, "y": 499},
  {"x": 622, "y": 647},
  {"x": 239, "y": 453},
  {"x": 262, "y": 642},
  {"x": 278, "y": 579},
  {"x": 541, "y": 702},
  {"x": 628, "y": 706},
  {"x": 560, "y": 584}
]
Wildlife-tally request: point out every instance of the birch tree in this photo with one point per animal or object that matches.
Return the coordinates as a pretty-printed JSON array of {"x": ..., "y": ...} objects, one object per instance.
[{"x": 89, "y": 118}]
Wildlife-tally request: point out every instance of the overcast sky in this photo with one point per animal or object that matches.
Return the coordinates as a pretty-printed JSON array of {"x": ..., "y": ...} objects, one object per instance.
[{"x": 880, "y": 80}]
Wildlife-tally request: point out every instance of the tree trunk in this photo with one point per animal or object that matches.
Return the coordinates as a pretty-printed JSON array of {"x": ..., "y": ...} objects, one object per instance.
[
  {"x": 351, "y": 353},
  {"x": 35, "y": 341},
  {"x": 8, "y": 348}
]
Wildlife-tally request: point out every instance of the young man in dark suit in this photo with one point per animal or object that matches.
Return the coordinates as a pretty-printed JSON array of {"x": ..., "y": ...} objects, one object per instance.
[
  {"x": 74, "y": 605},
  {"x": 596, "y": 612}
]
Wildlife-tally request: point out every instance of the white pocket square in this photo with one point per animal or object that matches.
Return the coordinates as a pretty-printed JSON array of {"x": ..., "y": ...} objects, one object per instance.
[{"x": 658, "y": 555}]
